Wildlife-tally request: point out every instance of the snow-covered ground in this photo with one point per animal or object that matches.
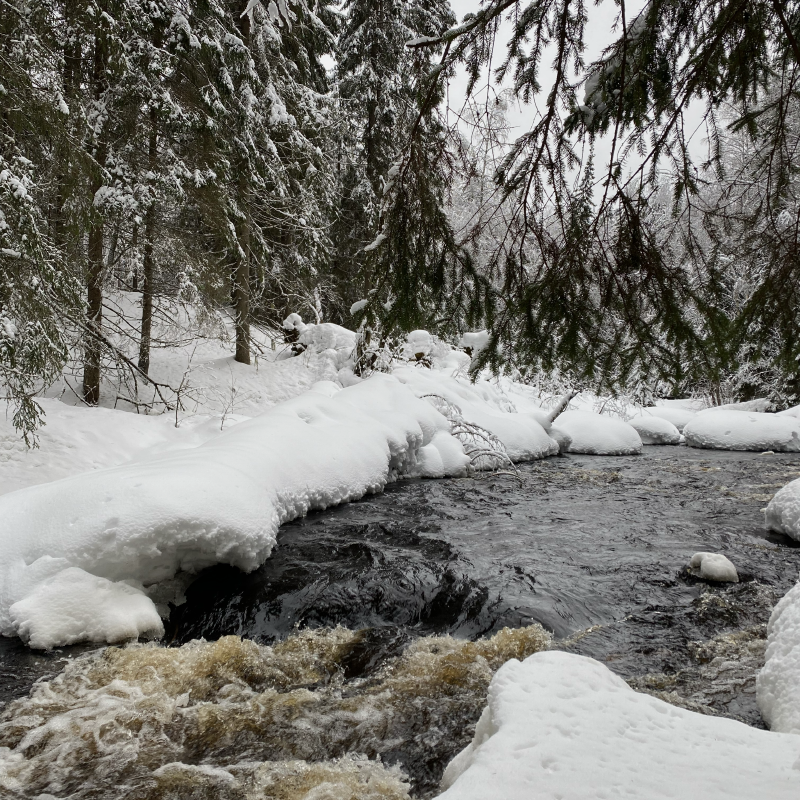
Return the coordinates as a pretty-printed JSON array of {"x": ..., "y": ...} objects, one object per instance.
[
  {"x": 725, "y": 429},
  {"x": 562, "y": 726}
]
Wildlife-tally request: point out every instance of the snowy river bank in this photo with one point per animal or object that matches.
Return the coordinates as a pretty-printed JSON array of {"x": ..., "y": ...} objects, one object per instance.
[{"x": 594, "y": 548}]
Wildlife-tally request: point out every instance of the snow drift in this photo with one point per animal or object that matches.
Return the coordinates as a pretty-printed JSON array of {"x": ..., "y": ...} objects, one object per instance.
[
  {"x": 597, "y": 434},
  {"x": 220, "y": 502},
  {"x": 778, "y": 683},
  {"x": 743, "y": 430},
  {"x": 655, "y": 430},
  {"x": 679, "y": 417},
  {"x": 563, "y": 726},
  {"x": 783, "y": 511}
]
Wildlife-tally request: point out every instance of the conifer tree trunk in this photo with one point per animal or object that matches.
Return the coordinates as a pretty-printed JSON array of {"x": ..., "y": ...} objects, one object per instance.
[
  {"x": 241, "y": 293},
  {"x": 147, "y": 262},
  {"x": 94, "y": 304},
  {"x": 96, "y": 263},
  {"x": 241, "y": 278}
]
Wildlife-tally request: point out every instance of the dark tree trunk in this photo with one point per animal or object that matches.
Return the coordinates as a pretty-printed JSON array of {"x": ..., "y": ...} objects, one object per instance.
[
  {"x": 94, "y": 308},
  {"x": 241, "y": 276},
  {"x": 148, "y": 266},
  {"x": 241, "y": 293},
  {"x": 94, "y": 299}
]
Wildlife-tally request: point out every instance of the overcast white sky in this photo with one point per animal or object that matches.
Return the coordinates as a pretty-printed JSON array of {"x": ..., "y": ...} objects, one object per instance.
[{"x": 600, "y": 33}]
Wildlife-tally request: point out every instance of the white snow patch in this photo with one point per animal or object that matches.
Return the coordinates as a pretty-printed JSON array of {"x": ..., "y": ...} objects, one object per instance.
[
  {"x": 655, "y": 430},
  {"x": 778, "y": 683},
  {"x": 598, "y": 434},
  {"x": 475, "y": 341},
  {"x": 713, "y": 567},
  {"x": 743, "y": 430},
  {"x": 482, "y": 404},
  {"x": 74, "y": 606},
  {"x": 783, "y": 511},
  {"x": 679, "y": 417},
  {"x": 564, "y": 726}
]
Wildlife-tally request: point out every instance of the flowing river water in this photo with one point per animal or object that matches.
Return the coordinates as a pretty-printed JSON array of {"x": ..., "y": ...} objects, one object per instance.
[{"x": 369, "y": 637}]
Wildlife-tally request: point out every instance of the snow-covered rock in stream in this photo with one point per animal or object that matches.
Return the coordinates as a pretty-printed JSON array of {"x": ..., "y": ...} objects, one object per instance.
[
  {"x": 743, "y": 430},
  {"x": 778, "y": 683},
  {"x": 219, "y": 502},
  {"x": 679, "y": 417},
  {"x": 598, "y": 434},
  {"x": 713, "y": 567},
  {"x": 559, "y": 725},
  {"x": 783, "y": 511},
  {"x": 655, "y": 430}
]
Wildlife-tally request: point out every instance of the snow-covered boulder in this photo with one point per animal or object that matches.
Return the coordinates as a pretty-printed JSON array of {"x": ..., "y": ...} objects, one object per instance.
[
  {"x": 328, "y": 337},
  {"x": 743, "y": 430},
  {"x": 73, "y": 606},
  {"x": 655, "y": 430},
  {"x": 783, "y": 511},
  {"x": 219, "y": 502},
  {"x": 778, "y": 683},
  {"x": 564, "y": 726},
  {"x": 677, "y": 416},
  {"x": 598, "y": 434},
  {"x": 713, "y": 567}
]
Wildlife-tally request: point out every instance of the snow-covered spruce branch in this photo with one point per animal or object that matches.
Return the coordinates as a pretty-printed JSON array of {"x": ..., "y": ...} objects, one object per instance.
[{"x": 485, "y": 450}]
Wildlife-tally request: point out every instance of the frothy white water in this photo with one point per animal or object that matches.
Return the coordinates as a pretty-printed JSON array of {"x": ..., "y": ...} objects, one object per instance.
[{"x": 231, "y": 718}]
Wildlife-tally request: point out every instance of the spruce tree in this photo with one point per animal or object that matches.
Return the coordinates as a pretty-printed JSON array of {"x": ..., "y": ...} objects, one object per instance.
[
  {"x": 380, "y": 88},
  {"x": 606, "y": 292}
]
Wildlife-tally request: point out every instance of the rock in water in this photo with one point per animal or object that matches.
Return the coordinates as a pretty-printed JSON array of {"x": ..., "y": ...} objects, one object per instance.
[{"x": 713, "y": 567}]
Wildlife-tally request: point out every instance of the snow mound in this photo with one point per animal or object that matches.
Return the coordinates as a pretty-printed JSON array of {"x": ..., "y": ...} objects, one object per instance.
[
  {"x": 794, "y": 411},
  {"x": 474, "y": 342},
  {"x": 743, "y": 430},
  {"x": 783, "y": 511},
  {"x": 74, "y": 606},
  {"x": 655, "y": 430},
  {"x": 713, "y": 567},
  {"x": 220, "y": 502},
  {"x": 598, "y": 435},
  {"x": 563, "y": 726},
  {"x": 677, "y": 416},
  {"x": 328, "y": 336},
  {"x": 759, "y": 404},
  {"x": 778, "y": 683},
  {"x": 521, "y": 434}
]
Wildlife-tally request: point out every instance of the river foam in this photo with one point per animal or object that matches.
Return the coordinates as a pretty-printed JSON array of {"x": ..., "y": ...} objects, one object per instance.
[{"x": 229, "y": 718}]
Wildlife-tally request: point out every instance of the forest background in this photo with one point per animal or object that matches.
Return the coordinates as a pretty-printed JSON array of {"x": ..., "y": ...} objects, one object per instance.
[{"x": 230, "y": 162}]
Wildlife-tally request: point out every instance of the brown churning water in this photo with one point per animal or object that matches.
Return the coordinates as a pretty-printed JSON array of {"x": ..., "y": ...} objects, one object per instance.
[{"x": 235, "y": 720}]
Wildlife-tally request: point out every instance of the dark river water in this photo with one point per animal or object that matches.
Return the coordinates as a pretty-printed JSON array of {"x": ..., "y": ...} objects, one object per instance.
[{"x": 576, "y": 542}]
